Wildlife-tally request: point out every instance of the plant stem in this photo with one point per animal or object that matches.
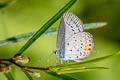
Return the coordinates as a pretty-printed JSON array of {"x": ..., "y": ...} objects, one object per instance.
[{"x": 23, "y": 67}]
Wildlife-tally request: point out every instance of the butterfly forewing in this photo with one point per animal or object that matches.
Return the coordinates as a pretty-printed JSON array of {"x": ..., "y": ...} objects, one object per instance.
[
  {"x": 73, "y": 24},
  {"x": 61, "y": 35},
  {"x": 69, "y": 25}
]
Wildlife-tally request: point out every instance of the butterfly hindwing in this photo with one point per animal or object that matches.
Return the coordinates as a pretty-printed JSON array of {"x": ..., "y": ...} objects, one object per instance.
[{"x": 79, "y": 46}]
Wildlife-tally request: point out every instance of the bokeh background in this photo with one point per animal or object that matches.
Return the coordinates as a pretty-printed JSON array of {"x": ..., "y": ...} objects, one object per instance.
[{"x": 23, "y": 16}]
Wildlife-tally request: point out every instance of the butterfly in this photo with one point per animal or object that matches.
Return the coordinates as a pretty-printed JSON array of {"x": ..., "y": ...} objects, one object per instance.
[{"x": 72, "y": 42}]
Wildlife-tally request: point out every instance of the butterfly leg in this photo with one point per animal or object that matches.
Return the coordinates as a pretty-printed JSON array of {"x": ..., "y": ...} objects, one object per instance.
[
  {"x": 61, "y": 61},
  {"x": 57, "y": 61}
]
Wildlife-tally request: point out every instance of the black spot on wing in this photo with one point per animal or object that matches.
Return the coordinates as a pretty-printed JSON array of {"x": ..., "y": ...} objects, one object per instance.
[
  {"x": 80, "y": 53},
  {"x": 77, "y": 56},
  {"x": 68, "y": 44},
  {"x": 73, "y": 30}
]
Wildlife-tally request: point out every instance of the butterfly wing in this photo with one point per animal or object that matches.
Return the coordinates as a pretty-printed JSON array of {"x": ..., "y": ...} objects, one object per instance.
[
  {"x": 78, "y": 46},
  {"x": 69, "y": 25},
  {"x": 61, "y": 35},
  {"x": 73, "y": 25}
]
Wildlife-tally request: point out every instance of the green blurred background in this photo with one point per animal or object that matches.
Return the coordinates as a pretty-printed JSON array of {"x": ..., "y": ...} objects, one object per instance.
[{"x": 22, "y": 16}]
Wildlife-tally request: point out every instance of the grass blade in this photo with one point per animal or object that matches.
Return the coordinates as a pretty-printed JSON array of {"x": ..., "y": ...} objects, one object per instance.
[
  {"x": 45, "y": 27},
  {"x": 4, "y": 3},
  {"x": 28, "y": 75},
  {"x": 9, "y": 76},
  {"x": 52, "y": 31},
  {"x": 94, "y": 25},
  {"x": 62, "y": 76},
  {"x": 17, "y": 38},
  {"x": 77, "y": 69}
]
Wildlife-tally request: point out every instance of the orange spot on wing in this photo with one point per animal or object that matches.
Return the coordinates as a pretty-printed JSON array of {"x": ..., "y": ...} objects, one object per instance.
[{"x": 87, "y": 46}]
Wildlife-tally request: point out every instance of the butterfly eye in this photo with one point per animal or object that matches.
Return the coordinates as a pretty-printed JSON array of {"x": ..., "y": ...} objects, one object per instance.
[{"x": 55, "y": 52}]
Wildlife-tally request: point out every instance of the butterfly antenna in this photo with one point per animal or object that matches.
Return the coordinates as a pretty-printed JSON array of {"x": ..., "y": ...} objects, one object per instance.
[{"x": 50, "y": 56}]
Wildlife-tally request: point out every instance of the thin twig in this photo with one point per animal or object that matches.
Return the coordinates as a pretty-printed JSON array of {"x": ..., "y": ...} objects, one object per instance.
[{"x": 23, "y": 67}]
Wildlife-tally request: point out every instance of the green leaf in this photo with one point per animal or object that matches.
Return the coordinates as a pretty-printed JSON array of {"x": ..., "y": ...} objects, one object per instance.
[
  {"x": 62, "y": 76},
  {"x": 49, "y": 32},
  {"x": 45, "y": 27},
  {"x": 27, "y": 74},
  {"x": 4, "y": 3},
  {"x": 78, "y": 69},
  {"x": 94, "y": 25},
  {"x": 9, "y": 76}
]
